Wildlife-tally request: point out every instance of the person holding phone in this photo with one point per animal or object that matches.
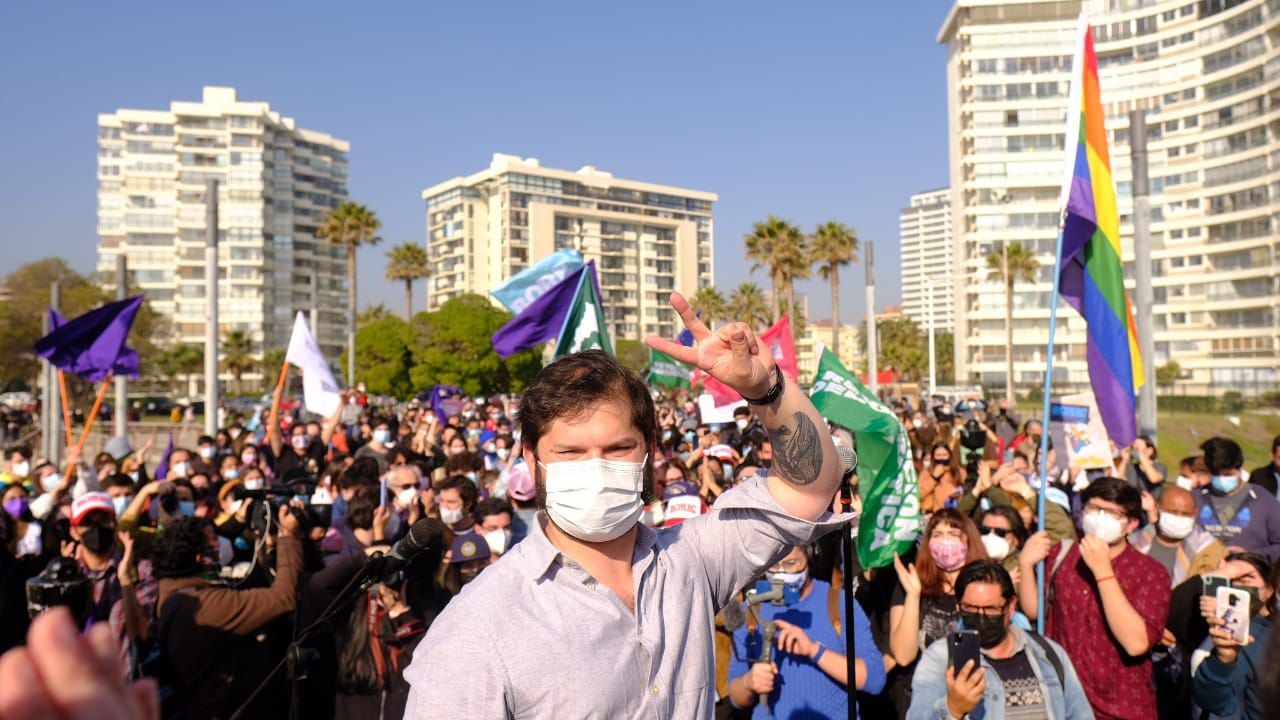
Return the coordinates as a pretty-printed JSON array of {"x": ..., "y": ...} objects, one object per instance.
[
  {"x": 1226, "y": 683},
  {"x": 992, "y": 663}
]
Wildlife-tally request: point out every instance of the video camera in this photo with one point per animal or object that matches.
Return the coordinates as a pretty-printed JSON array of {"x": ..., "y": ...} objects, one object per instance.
[
  {"x": 60, "y": 583},
  {"x": 318, "y": 510},
  {"x": 973, "y": 441}
]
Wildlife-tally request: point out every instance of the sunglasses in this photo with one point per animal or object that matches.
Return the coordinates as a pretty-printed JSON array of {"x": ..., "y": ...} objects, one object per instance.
[
  {"x": 941, "y": 461},
  {"x": 998, "y": 532}
]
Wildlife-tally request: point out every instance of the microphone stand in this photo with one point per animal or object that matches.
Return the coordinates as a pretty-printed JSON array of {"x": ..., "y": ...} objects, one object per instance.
[
  {"x": 297, "y": 657},
  {"x": 846, "y": 543}
]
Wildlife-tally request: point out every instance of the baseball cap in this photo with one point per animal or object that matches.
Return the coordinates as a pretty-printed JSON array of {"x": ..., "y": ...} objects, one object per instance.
[
  {"x": 520, "y": 483},
  {"x": 678, "y": 488},
  {"x": 90, "y": 502},
  {"x": 681, "y": 508},
  {"x": 467, "y": 547}
]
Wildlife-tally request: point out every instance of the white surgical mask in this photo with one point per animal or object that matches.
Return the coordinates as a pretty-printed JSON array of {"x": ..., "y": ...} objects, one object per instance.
[
  {"x": 1175, "y": 527},
  {"x": 51, "y": 482},
  {"x": 997, "y": 547},
  {"x": 504, "y": 453},
  {"x": 253, "y": 484},
  {"x": 206, "y": 452},
  {"x": 231, "y": 474},
  {"x": 1100, "y": 523},
  {"x": 498, "y": 540},
  {"x": 795, "y": 580},
  {"x": 179, "y": 469},
  {"x": 381, "y": 436},
  {"x": 407, "y": 497},
  {"x": 451, "y": 516},
  {"x": 236, "y": 505},
  {"x": 742, "y": 423},
  {"x": 1185, "y": 482},
  {"x": 595, "y": 500},
  {"x": 120, "y": 503},
  {"x": 21, "y": 469}
]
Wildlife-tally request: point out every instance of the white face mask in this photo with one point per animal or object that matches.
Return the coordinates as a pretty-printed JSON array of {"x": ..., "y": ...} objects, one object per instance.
[
  {"x": 1175, "y": 527},
  {"x": 451, "y": 516},
  {"x": 795, "y": 579},
  {"x": 407, "y": 497},
  {"x": 498, "y": 540},
  {"x": 21, "y": 469},
  {"x": 595, "y": 500},
  {"x": 253, "y": 484},
  {"x": 179, "y": 470},
  {"x": 1185, "y": 483},
  {"x": 206, "y": 453},
  {"x": 51, "y": 481},
  {"x": 997, "y": 547},
  {"x": 504, "y": 453},
  {"x": 1099, "y": 523},
  {"x": 742, "y": 423}
]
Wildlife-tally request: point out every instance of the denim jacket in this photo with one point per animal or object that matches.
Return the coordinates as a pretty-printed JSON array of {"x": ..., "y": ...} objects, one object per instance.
[{"x": 929, "y": 685}]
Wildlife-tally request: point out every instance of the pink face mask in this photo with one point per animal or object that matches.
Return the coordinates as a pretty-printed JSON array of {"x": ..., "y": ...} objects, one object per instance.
[{"x": 948, "y": 553}]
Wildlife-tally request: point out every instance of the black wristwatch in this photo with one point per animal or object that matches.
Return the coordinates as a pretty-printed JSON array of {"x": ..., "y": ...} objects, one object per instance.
[{"x": 774, "y": 392}]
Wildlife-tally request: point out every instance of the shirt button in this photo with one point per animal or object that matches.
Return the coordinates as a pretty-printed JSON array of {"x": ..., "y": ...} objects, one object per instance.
[{"x": 653, "y": 689}]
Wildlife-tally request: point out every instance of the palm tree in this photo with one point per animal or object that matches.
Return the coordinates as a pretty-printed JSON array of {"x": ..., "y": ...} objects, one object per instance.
[
  {"x": 833, "y": 245},
  {"x": 237, "y": 355},
  {"x": 1014, "y": 262},
  {"x": 779, "y": 247},
  {"x": 710, "y": 303},
  {"x": 748, "y": 304},
  {"x": 350, "y": 225},
  {"x": 408, "y": 262},
  {"x": 372, "y": 314},
  {"x": 272, "y": 361}
]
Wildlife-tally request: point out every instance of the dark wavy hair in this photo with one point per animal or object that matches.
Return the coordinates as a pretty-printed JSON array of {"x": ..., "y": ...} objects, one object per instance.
[
  {"x": 985, "y": 571},
  {"x": 177, "y": 550},
  {"x": 932, "y": 577}
]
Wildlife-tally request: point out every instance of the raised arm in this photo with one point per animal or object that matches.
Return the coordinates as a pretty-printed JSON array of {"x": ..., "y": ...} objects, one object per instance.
[{"x": 806, "y": 469}]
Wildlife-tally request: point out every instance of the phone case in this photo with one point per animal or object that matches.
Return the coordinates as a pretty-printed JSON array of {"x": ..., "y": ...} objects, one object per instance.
[
  {"x": 964, "y": 647},
  {"x": 1233, "y": 609}
]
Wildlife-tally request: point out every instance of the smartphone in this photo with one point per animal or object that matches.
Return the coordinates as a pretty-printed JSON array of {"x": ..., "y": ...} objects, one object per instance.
[
  {"x": 1212, "y": 583},
  {"x": 1233, "y": 610},
  {"x": 964, "y": 647},
  {"x": 382, "y": 498}
]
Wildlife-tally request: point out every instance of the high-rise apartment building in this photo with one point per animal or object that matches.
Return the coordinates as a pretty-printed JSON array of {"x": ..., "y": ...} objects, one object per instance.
[
  {"x": 819, "y": 334},
  {"x": 646, "y": 239},
  {"x": 276, "y": 183},
  {"x": 1207, "y": 74},
  {"x": 924, "y": 234}
]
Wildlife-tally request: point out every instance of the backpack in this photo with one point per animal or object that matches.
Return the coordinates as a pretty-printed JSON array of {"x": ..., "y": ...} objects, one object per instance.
[
  {"x": 1048, "y": 580},
  {"x": 1054, "y": 660}
]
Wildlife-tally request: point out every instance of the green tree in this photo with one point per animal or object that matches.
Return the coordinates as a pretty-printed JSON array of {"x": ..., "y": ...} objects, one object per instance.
[
  {"x": 272, "y": 361},
  {"x": 944, "y": 347},
  {"x": 1167, "y": 374},
  {"x": 237, "y": 356},
  {"x": 1014, "y": 262},
  {"x": 372, "y": 314},
  {"x": 900, "y": 345},
  {"x": 833, "y": 245},
  {"x": 350, "y": 225},
  {"x": 408, "y": 262},
  {"x": 780, "y": 248},
  {"x": 453, "y": 346},
  {"x": 710, "y": 303},
  {"x": 747, "y": 304},
  {"x": 383, "y": 356},
  {"x": 633, "y": 354},
  {"x": 180, "y": 361}
]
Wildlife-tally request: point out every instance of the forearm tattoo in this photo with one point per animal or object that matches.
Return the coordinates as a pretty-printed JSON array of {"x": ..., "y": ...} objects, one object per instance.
[{"x": 797, "y": 450}]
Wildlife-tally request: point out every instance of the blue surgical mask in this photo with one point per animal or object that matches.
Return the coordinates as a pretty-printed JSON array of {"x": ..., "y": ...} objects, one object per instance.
[
  {"x": 121, "y": 503},
  {"x": 1224, "y": 484},
  {"x": 381, "y": 436},
  {"x": 186, "y": 508}
]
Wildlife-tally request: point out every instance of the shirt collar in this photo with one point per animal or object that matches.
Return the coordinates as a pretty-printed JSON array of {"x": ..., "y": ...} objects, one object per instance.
[{"x": 542, "y": 556}]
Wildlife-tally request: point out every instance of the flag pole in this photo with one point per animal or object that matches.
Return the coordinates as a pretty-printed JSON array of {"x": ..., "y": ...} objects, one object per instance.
[
  {"x": 66, "y": 407},
  {"x": 93, "y": 414}
]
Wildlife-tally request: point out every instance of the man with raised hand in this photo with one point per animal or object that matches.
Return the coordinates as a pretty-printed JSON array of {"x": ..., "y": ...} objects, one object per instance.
[{"x": 594, "y": 614}]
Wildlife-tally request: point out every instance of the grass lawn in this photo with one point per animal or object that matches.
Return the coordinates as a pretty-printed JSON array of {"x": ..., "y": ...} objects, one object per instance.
[{"x": 1180, "y": 434}]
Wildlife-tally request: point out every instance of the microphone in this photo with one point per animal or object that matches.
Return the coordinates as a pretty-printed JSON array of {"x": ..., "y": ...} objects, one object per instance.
[
  {"x": 848, "y": 458},
  {"x": 424, "y": 534}
]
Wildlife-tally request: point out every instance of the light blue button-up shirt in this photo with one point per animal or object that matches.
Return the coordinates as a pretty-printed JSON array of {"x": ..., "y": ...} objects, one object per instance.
[{"x": 535, "y": 636}]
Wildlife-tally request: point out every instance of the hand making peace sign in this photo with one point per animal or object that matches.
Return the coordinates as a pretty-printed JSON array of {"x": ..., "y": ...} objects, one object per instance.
[{"x": 731, "y": 354}]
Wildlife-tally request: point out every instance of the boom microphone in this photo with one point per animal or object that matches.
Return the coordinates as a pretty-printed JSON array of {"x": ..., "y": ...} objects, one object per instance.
[{"x": 424, "y": 534}]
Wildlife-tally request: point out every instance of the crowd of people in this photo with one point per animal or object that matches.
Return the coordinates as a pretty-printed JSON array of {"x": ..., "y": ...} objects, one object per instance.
[{"x": 207, "y": 563}]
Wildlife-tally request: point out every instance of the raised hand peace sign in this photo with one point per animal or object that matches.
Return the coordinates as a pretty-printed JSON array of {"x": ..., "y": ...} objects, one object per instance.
[{"x": 731, "y": 354}]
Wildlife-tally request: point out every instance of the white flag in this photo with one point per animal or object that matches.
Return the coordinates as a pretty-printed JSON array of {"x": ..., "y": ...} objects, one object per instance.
[{"x": 319, "y": 389}]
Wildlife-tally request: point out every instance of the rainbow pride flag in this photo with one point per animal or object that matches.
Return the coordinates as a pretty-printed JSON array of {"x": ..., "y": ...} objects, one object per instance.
[{"x": 1091, "y": 274}]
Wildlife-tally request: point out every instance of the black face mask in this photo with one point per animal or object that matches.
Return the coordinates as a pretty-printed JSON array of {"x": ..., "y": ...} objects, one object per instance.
[
  {"x": 991, "y": 628},
  {"x": 98, "y": 539}
]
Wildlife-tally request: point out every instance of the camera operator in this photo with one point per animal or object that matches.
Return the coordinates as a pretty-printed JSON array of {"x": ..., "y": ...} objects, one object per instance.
[{"x": 209, "y": 636}]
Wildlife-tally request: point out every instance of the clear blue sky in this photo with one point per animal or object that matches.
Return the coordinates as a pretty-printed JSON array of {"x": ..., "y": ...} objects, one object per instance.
[{"x": 812, "y": 111}]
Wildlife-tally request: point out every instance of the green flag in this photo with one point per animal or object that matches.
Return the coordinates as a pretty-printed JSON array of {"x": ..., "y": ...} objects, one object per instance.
[
  {"x": 887, "y": 480},
  {"x": 666, "y": 370},
  {"x": 584, "y": 324}
]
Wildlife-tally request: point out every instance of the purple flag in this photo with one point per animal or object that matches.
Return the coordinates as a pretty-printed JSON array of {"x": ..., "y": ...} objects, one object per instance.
[
  {"x": 91, "y": 345},
  {"x": 446, "y": 400},
  {"x": 126, "y": 364},
  {"x": 542, "y": 320}
]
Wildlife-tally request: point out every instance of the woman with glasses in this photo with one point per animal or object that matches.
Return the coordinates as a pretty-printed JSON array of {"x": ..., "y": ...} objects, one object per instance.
[{"x": 1003, "y": 535}]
